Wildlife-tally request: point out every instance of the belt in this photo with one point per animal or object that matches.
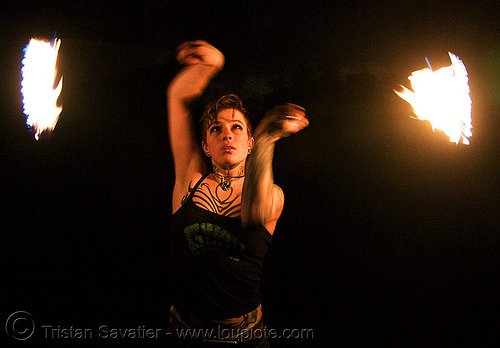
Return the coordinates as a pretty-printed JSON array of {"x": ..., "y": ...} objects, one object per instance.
[{"x": 249, "y": 336}]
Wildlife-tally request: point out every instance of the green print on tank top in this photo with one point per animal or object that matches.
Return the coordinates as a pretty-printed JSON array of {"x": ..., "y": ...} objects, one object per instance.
[{"x": 206, "y": 236}]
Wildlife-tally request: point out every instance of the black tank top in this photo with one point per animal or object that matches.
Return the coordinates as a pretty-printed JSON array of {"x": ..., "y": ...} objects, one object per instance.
[{"x": 216, "y": 264}]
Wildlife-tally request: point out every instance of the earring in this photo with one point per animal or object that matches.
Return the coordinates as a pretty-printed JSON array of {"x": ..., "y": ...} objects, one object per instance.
[
  {"x": 207, "y": 154},
  {"x": 249, "y": 151}
]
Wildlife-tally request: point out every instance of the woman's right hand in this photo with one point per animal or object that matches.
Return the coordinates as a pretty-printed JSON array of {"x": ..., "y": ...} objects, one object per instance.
[
  {"x": 199, "y": 52},
  {"x": 202, "y": 62}
]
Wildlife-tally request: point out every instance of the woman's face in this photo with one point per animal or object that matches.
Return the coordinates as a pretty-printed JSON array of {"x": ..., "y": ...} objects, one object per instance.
[{"x": 227, "y": 139}]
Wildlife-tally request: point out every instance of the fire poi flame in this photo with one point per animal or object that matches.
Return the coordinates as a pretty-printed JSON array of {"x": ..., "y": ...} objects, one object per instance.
[
  {"x": 443, "y": 98},
  {"x": 39, "y": 94}
]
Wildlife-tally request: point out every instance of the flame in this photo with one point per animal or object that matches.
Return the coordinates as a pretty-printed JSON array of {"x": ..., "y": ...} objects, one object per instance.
[
  {"x": 39, "y": 95},
  {"x": 443, "y": 98}
]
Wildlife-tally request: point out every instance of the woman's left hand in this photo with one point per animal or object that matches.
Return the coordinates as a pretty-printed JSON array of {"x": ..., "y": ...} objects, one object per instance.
[{"x": 282, "y": 121}]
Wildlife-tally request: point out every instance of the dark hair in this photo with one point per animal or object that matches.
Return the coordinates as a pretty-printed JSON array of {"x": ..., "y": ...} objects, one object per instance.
[{"x": 228, "y": 101}]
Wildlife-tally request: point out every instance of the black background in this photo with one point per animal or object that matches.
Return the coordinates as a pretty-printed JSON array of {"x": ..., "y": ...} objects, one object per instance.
[{"x": 390, "y": 232}]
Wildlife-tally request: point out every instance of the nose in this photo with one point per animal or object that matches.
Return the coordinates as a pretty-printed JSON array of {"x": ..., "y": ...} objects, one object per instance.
[{"x": 227, "y": 134}]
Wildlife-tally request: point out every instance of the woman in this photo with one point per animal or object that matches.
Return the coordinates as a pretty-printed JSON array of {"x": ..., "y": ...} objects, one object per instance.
[{"x": 223, "y": 218}]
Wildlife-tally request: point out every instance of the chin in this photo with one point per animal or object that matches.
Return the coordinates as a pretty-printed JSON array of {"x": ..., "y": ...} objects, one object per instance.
[{"x": 231, "y": 161}]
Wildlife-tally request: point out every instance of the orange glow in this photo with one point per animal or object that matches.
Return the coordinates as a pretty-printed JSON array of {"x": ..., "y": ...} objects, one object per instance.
[
  {"x": 39, "y": 94},
  {"x": 443, "y": 98}
]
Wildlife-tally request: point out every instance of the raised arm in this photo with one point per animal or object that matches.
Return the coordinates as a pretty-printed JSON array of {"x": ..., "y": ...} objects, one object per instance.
[
  {"x": 262, "y": 200},
  {"x": 201, "y": 63}
]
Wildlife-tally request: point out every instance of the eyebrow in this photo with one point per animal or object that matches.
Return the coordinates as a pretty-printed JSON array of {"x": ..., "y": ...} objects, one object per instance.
[{"x": 228, "y": 121}]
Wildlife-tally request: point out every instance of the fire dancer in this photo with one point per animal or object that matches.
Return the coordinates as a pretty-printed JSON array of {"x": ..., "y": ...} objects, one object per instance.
[{"x": 223, "y": 218}]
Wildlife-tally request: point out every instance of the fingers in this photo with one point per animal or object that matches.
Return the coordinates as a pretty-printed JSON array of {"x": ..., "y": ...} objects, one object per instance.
[
  {"x": 290, "y": 112},
  {"x": 296, "y": 107},
  {"x": 296, "y": 124},
  {"x": 189, "y": 47},
  {"x": 284, "y": 120},
  {"x": 199, "y": 52},
  {"x": 294, "y": 119},
  {"x": 191, "y": 43},
  {"x": 188, "y": 52}
]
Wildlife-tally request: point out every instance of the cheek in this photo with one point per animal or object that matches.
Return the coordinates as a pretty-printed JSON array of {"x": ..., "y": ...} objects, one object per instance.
[
  {"x": 209, "y": 143},
  {"x": 243, "y": 140}
]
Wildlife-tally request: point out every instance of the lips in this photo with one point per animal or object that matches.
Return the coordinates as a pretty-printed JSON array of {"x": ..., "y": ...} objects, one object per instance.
[{"x": 228, "y": 148}]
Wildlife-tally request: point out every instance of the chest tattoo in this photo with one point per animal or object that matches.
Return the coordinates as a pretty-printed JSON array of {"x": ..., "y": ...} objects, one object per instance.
[{"x": 227, "y": 203}]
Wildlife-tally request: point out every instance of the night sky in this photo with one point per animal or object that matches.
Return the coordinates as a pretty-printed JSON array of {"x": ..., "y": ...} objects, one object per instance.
[{"x": 390, "y": 234}]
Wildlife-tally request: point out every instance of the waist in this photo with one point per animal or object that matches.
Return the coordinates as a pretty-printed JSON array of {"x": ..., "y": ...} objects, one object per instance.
[{"x": 246, "y": 328}]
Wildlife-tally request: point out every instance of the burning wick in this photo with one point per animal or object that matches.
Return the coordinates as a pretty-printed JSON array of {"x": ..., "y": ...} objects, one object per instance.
[
  {"x": 442, "y": 97},
  {"x": 39, "y": 94},
  {"x": 428, "y": 63}
]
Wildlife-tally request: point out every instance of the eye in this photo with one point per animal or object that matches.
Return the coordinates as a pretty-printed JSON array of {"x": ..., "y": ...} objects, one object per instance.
[
  {"x": 215, "y": 129},
  {"x": 237, "y": 126}
]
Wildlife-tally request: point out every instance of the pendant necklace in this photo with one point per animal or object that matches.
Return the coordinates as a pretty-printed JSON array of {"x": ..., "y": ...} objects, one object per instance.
[{"x": 224, "y": 184}]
